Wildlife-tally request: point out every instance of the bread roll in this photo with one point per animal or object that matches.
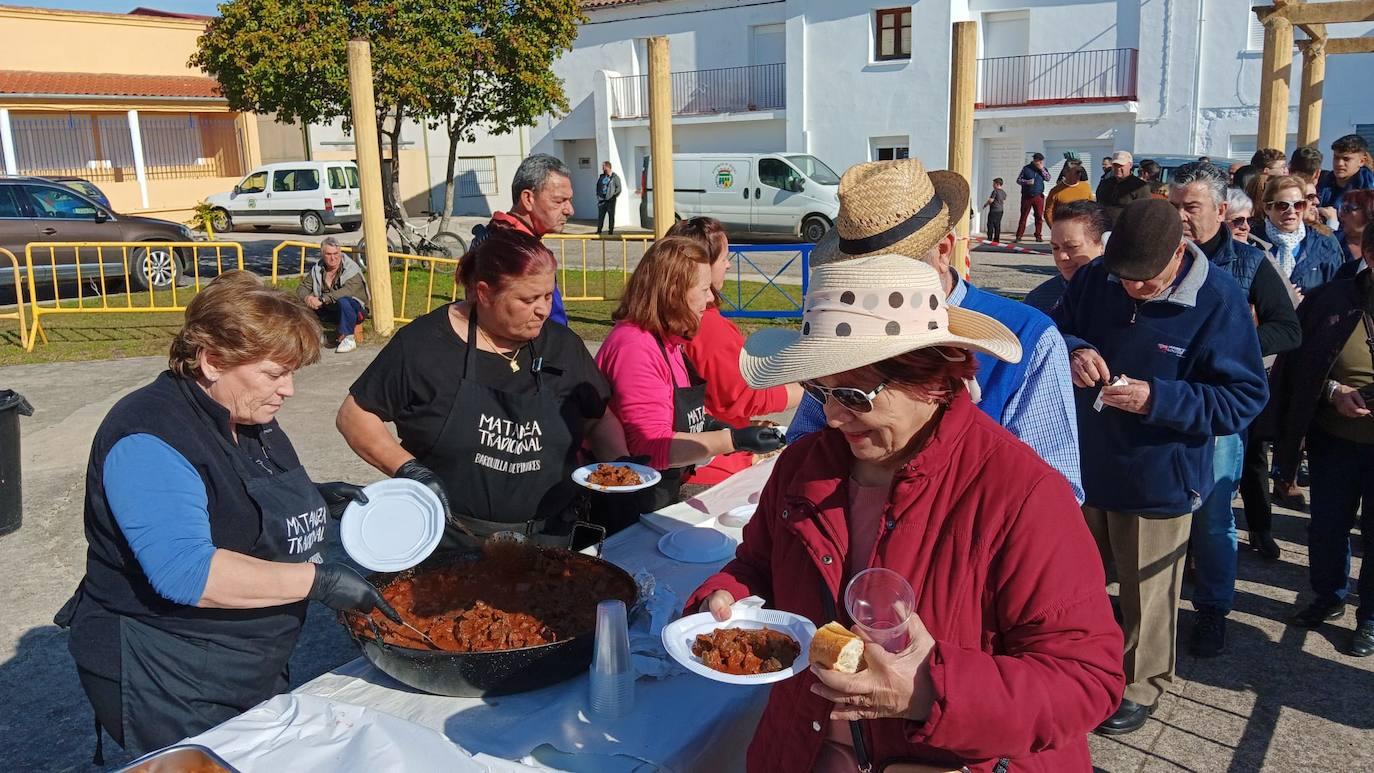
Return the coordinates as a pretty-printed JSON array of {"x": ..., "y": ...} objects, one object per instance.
[{"x": 837, "y": 649}]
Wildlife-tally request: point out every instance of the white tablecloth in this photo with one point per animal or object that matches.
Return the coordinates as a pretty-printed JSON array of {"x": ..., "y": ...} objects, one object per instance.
[{"x": 681, "y": 722}]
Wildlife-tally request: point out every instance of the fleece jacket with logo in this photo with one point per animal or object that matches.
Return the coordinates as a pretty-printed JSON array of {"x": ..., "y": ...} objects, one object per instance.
[{"x": 1196, "y": 346}]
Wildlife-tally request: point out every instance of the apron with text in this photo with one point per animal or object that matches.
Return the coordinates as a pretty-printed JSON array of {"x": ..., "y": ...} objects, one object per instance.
[
  {"x": 501, "y": 456},
  {"x": 176, "y": 684}
]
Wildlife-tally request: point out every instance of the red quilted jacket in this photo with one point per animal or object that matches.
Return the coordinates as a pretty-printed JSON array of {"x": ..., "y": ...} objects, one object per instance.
[{"x": 1028, "y": 658}]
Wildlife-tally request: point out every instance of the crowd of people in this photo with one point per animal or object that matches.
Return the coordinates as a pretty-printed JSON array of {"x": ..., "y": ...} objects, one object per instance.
[{"x": 1009, "y": 459}]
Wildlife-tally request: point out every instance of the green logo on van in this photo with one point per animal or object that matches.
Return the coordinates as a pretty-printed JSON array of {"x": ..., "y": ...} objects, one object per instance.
[{"x": 725, "y": 177}]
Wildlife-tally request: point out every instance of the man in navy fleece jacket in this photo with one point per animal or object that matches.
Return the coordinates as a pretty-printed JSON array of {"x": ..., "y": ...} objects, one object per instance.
[{"x": 1167, "y": 343}]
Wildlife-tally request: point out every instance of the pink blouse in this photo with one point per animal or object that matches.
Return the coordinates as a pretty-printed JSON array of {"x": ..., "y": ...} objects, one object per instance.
[{"x": 642, "y": 384}]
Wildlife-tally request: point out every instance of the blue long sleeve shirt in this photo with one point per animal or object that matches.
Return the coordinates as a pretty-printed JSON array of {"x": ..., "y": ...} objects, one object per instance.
[{"x": 160, "y": 504}]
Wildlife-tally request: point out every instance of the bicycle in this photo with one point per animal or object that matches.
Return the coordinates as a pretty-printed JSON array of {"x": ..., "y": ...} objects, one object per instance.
[{"x": 404, "y": 237}]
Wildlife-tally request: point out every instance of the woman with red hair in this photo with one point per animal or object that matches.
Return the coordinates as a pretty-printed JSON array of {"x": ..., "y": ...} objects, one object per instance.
[{"x": 1011, "y": 655}]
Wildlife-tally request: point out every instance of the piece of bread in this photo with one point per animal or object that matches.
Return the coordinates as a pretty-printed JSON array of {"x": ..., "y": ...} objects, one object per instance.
[{"x": 837, "y": 649}]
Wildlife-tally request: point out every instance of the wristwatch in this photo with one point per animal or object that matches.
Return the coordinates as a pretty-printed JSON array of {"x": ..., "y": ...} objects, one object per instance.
[{"x": 1329, "y": 389}]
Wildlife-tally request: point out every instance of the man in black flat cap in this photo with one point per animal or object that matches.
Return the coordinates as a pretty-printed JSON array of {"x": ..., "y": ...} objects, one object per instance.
[{"x": 1164, "y": 355}]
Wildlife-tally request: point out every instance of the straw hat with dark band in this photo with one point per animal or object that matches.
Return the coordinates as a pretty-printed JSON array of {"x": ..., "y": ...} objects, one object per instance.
[{"x": 892, "y": 207}]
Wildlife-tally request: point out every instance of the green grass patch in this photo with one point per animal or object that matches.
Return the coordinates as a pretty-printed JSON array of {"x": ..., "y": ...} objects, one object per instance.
[{"x": 100, "y": 336}]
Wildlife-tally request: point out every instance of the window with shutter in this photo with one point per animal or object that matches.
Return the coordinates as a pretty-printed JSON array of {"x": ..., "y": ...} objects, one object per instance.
[
  {"x": 1256, "y": 29},
  {"x": 892, "y": 34}
]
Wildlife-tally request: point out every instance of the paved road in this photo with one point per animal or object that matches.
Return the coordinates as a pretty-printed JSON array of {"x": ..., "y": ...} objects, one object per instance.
[{"x": 1282, "y": 699}]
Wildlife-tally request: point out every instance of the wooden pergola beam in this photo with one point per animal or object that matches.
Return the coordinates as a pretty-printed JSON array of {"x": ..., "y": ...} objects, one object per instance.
[
  {"x": 1310, "y": 98},
  {"x": 1276, "y": 70},
  {"x": 1315, "y": 32},
  {"x": 1341, "y": 12},
  {"x": 1343, "y": 45}
]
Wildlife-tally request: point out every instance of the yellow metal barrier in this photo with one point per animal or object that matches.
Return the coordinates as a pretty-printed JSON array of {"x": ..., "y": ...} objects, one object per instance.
[
  {"x": 571, "y": 292},
  {"x": 440, "y": 275},
  {"x": 18, "y": 313},
  {"x": 304, "y": 248},
  {"x": 135, "y": 268}
]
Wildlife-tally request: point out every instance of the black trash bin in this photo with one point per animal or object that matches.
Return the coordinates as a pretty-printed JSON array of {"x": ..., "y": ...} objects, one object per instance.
[{"x": 12, "y": 406}]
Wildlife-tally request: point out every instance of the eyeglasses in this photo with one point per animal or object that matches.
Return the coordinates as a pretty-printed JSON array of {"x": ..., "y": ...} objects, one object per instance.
[
  {"x": 1349, "y": 207},
  {"x": 1281, "y": 206},
  {"x": 849, "y": 398},
  {"x": 1239, "y": 222}
]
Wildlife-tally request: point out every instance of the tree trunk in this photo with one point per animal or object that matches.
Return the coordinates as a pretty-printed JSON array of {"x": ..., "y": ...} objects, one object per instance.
[
  {"x": 396, "y": 163},
  {"x": 449, "y": 183}
]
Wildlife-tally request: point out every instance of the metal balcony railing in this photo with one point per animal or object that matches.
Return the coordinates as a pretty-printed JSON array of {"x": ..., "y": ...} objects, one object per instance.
[
  {"x": 706, "y": 92},
  {"x": 1069, "y": 78}
]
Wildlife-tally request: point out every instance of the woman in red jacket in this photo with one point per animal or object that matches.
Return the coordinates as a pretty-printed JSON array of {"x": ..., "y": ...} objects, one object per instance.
[
  {"x": 1013, "y": 654},
  {"x": 714, "y": 351}
]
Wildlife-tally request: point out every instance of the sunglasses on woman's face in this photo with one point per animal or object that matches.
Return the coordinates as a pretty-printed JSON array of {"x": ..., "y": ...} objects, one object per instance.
[
  {"x": 1239, "y": 222},
  {"x": 1281, "y": 206},
  {"x": 849, "y": 398}
]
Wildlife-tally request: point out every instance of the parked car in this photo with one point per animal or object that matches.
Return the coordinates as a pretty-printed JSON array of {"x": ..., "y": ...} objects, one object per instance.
[
  {"x": 307, "y": 194},
  {"x": 752, "y": 193},
  {"x": 84, "y": 186},
  {"x": 36, "y": 209},
  {"x": 1168, "y": 163}
]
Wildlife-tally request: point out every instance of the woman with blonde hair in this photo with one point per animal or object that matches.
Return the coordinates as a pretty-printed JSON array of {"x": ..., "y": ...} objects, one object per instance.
[
  {"x": 1307, "y": 257},
  {"x": 656, "y": 392},
  {"x": 204, "y": 532}
]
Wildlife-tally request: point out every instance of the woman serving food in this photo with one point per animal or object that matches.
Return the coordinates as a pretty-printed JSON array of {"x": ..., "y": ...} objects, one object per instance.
[
  {"x": 491, "y": 403},
  {"x": 204, "y": 531},
  {"x": 1012, "y": 652}
]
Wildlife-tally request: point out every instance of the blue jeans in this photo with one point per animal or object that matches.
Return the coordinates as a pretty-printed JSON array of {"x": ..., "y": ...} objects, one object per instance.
[
  {"x": 1214, "y": 532},
  {"x": 1342, "y": 482},
  {"x": 344, "y": 314}
]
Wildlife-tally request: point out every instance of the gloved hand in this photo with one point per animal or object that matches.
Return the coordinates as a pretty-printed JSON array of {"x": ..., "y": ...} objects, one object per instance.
[
  {"x": 422, "y": 474},
  {"x": 713, "y": 425},
  {"x": 758, "y": 440},
  {"x": 338, "y": 494},
  {"x": 340, "y": 587}
]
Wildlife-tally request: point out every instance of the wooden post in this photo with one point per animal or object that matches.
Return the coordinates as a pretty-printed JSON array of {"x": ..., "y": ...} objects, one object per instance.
[
  {"x": 963, "y": 76},
  {"x": 661, "y": 135},
  {"x": 1276, "y": 72},
  {"x": 1310, "y": 99},
  {"x": 370, "y": 174}
]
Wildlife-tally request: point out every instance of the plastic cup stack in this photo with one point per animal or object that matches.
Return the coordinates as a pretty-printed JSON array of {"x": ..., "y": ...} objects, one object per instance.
[{"x": 612, "y": 674}]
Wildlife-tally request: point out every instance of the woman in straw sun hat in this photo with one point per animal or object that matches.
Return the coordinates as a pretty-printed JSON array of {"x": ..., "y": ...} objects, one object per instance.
[{"x": 1011, "y": 652}]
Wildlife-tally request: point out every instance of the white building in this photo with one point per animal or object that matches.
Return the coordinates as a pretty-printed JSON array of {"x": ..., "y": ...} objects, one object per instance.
[{"x": 858, "y": 80}]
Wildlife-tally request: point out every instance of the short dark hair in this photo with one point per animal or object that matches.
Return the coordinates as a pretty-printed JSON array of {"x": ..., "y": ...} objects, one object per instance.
[
  {"x": 1150, "y": 169},
  {"x": 1096, "y": 220},
  {"x": 1266, "y": 156},
  {"x": 1073, "y": 173},
  {"x": 1306, "y": 160},
  {"x": 1037, "y": 157},
  {"x": 1350, "y": 143},
  {"x": 1205, "y": 159},
  {"x": 996, "y": 181},
  {"x": 533, "y": 172}
]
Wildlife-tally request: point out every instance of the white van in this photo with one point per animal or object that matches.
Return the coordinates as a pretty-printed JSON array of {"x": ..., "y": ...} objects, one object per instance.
[
  {"x": 307, "y": 194},
  {"x": 790, "y": 194}
]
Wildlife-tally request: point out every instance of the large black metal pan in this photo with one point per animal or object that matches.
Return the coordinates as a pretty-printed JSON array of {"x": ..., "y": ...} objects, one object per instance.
[{"x": 478, "y": 674}]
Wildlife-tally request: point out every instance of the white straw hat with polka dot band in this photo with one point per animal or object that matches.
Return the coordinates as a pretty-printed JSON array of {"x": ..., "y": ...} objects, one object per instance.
[{"x": 866, "y": 310}]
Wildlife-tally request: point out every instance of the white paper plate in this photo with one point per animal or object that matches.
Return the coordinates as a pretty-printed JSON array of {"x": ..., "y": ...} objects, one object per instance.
[
  {"x": 738, "y": 516},
  {"x": 648, "y": 476},
  {"x": 679, "y": 635},
  {"x": 697, "y": 545},
  {"x": 399, "y": 527}
]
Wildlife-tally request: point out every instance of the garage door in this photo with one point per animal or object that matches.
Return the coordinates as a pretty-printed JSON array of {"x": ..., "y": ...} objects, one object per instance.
[
  {"x": 1090, "y": 152},
  {"x": 1002, "y": 158}
]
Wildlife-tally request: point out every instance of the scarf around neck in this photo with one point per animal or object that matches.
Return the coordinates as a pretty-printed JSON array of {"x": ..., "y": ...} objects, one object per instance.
[{"x": 1286, "y": 245}]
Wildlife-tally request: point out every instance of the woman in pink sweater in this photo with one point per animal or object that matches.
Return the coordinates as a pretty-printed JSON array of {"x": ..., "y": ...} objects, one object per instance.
[{"x": 658, "y": 396}]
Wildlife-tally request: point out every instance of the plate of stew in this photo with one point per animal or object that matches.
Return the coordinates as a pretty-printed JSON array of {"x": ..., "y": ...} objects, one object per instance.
[
  {"x": 616, "y": 477},
  {"x": 755, "y": 646}
]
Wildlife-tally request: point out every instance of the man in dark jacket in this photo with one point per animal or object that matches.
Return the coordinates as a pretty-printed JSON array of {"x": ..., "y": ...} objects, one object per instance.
[
  {"x": 1198, "y": 192},
  {"x": 1165, "y": 358},
  {"x": 1121, "y": 187},
  {"x": 607, "y": 191},
  {"x": 1032, "y": 181},
  {"x": 1348, "y": 172}
]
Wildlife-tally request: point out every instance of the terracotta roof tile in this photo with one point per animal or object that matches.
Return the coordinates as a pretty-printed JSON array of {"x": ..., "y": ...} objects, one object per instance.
[
  {"x": 607, "y": 3},
  {"x": 107, "y": 84}
]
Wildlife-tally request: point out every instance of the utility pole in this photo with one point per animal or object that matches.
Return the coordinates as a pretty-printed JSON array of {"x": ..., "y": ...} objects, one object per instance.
[
  {"x": 963, "y": 76},
  {"x": 661, "y": 135},
  {"x": 370, "y": 174}
]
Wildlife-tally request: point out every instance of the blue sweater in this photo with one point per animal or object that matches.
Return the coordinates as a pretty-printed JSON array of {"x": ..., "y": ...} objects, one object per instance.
[{"x": 1197, "y": 346}]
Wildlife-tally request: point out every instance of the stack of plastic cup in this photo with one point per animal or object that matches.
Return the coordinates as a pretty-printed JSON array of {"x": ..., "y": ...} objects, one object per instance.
[{"x": 612, "y": 674}]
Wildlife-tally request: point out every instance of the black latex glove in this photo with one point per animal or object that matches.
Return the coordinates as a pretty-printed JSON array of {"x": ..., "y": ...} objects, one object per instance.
[
  {"x": 422, "y": 474},
  {"x": 713, "y": 425},
  {"x": 758, "y": 440},
  {"x": 338, "y": 494},
  {"x": 340, "y": 587}
]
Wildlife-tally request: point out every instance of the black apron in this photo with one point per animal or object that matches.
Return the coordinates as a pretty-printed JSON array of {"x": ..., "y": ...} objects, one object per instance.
[
  {"x": 502, "y": 457},
  {"x": 177, "y": 684}
]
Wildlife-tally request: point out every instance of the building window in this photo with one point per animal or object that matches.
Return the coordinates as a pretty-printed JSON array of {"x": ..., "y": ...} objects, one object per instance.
[
  {"x": 892, "y": 34},
  {"x": 475, "y": 176},
  {"x": 1255, "y": 30},
  {"x": 890, "y": 153},
  {"x": 1365, "y": 130},
  {"x": 889, "y": 148}
]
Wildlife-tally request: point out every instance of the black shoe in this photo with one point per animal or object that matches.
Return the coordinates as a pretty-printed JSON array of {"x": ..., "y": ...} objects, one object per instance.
[
  {"x": 1262, "y": 542},
  {"x": 1129, "y": 717},
  {"x": 1318, "y": 612},
  {"x": 1293, "y": 501},
  {"x": 1362, "y": 640},
  {"x": 1209, "y": 635}
]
